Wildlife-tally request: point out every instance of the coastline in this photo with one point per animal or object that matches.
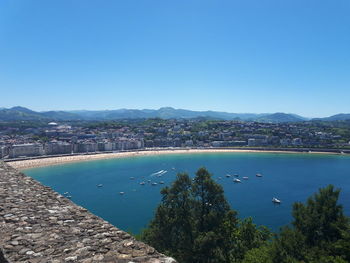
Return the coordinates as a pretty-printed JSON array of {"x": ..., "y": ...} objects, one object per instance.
[{"x": 57, "y": 160}]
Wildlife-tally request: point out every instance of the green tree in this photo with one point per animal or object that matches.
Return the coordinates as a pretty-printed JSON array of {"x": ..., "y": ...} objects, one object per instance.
[
  {"x": 320, "y": 232},
  {"x": 261, "y": 254},
  {"x": 248, "y": 236},
  {"x": 171, "y": 229},
  {"x": 321, "y": 220},
  {"x": 211, "y": 214},
  {"x": 194, "y": 222}
]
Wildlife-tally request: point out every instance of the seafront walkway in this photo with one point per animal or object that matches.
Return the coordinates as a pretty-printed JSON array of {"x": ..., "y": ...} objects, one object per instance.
[
  {"x": 48, "y": 160},
  {"x": 160, "y": 149}
]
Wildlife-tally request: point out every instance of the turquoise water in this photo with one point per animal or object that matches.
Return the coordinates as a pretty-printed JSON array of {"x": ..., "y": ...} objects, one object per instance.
[{"x": 289, "y": 177}]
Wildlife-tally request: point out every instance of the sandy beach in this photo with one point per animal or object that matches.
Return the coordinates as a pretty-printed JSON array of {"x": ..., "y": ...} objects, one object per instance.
[{"x": 42, "y": 162}]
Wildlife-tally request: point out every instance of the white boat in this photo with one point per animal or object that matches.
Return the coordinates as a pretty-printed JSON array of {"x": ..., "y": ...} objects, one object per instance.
[
  {"x": 228, "y": 175},
  {"x": 258, "y": 175},
  {"x": 158, "y": 173},
  {"x": 142, "y": 183},
  {"x": 161, "y": 182},
  {"x": 132, "y": 178},
  {"x": 236, "y": 175},
  {"x": 276, "y": 201},
  {"x": 237, "y": 180},
  {"x": 65, "y": 193},
  {"x": 99, "y": 185},
  {"x": 245, "y": 177},
  {"x": 154, "y": 183},
  {"x": 121, "y": 193}
]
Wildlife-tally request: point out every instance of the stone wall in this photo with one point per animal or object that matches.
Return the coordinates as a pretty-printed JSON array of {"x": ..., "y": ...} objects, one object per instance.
[{"x": 38, "y": 225}]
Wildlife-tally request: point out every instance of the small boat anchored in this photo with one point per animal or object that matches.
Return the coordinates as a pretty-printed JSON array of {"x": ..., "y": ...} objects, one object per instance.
[
  {"x": 276, "y": 201},
  {"x": 121, "y": 193},
  {"x": 142, "y": 183},
  {"x": 258, "y": 175},
  {"x": 245, "y": 177},
  {"x": 228, "y": 175},
  {"x": 99, "y": 185},
  {"x": 237, "y": 180}
]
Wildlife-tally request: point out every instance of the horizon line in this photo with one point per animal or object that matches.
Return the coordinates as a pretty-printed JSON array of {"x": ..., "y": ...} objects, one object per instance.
[{"x": 141, "y": 109}]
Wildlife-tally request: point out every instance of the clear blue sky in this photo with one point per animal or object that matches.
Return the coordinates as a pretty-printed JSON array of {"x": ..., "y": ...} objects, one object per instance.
[{"x": 227, "y": 55}]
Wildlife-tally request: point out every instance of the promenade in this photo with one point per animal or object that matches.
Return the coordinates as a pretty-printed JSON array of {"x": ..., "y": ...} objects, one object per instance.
[{"x": 42, "y": 161}]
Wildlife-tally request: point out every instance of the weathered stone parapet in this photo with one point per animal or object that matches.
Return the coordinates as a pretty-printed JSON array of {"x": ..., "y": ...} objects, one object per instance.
[
  {"x": 2, "y": 257},
  {"x": 38, "y": 225}
]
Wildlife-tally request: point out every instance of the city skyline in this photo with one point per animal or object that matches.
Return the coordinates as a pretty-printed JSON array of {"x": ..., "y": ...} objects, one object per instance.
[{"x": 230, "y": 56}]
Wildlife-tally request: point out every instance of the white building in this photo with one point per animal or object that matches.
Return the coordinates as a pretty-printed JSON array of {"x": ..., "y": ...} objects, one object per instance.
[
  {"x": 105, "y": 146},
  {"x": 297, "y": 142},
  {"x": 58, "y": 148},
  {"x": 3, "y": 151},
  {"x": 285, "y": 142},
  {"x": 257, "y": 142},
  {"x": 24, "y": 150},
  {"x": 85, "y": 147}
]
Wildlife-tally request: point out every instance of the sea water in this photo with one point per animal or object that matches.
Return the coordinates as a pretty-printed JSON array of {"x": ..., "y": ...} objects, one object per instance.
[{"x": 288, "y": 177}]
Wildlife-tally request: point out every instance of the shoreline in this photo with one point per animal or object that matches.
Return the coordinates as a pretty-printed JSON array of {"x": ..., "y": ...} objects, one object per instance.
[{"x": 58, "y": 160}]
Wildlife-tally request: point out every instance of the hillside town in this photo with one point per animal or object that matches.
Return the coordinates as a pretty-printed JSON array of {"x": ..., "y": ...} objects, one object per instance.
[{"x": 21, "y": 140}]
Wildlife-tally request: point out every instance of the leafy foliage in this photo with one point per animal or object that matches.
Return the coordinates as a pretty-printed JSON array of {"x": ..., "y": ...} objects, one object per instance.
[
  {"x": 320, "y": 233},
  {"x": 195, "y": 224}
]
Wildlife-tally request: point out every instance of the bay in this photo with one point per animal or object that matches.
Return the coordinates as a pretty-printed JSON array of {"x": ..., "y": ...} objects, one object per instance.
[{"x": 288, "y": 177}]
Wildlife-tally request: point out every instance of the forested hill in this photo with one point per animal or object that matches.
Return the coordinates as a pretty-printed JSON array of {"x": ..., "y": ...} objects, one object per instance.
[{"x": 21, "y": 113}]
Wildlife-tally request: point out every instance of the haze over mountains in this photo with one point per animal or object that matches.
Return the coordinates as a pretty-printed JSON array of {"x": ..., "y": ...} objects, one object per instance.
[{"x": 21, "y": 113}]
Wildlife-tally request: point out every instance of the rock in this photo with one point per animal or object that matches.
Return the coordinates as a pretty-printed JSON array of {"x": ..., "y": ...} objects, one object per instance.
[
  {"x": 8, "y": 215},
  {"x": 128, "y": 244},
  {"x": 150, "y": 250},
  {"x": 23, "y": 251},
  {"x": 67, "y": 250},
  {"x": 35, "y": 236},
  {"x": 49, "y": 251},
  {"x": 139, "y": 253},
  {"x": 71, "y": 259},
  {"x": 124, "y": 256},
  {"x": 98, "y": 257},
  {"x": 169, "y": 260},
  {"x": 82, "y": 252}
]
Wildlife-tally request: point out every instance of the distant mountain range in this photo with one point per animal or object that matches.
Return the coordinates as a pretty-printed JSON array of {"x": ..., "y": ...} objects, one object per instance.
[
  {"x": 337, "y": 117},
  {"x": 21, "y": 113}
]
